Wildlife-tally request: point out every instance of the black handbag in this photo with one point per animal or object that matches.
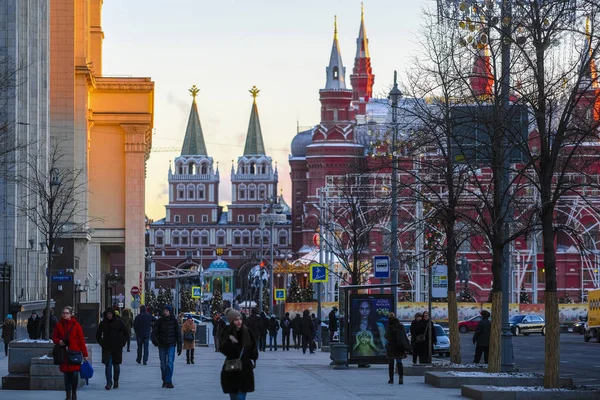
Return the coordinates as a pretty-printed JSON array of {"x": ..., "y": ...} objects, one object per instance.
[
  {"x": 234, "y": 365},
  {"x": 189, "y": 336},
  {"x": 74, "y": 357},
  {"x": 59, "y": 352}
]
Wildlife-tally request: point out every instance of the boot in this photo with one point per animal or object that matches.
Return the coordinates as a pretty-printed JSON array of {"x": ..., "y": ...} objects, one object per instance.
[
  {"x": 187, "y": 356},
  {"x": 69, "y": 397},
  {"x": 400, "y": 374},
  {"x": 192, "y": 356},
  {"x": 74, "y": 396},
  {"x": 391, "y": 373}
]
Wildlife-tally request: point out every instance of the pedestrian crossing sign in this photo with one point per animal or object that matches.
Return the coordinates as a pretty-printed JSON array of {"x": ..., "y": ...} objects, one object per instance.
[
  {"x": 318, "y": 273},
  {"x": 196, "y": 292},
  {"x": 280, "y": 294}
]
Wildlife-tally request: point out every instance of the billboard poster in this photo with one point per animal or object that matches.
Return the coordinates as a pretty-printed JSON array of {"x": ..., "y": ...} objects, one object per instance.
[
  {"x": 439, "y": 286},
  {"x": 367, "y": 325}
]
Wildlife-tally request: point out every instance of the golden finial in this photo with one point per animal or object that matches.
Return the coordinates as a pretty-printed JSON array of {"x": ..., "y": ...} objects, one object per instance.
[
  {"x": 254, "y": 92},
  {"x": 194, "y": 91},
  {"x": 362, "y": 11},
  {"x": 335, "y": 26}
]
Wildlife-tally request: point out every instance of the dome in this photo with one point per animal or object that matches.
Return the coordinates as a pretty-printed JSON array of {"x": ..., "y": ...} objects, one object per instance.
[
  {"x": 218, "y": 264},
  {"x": 300, "y": 141}
]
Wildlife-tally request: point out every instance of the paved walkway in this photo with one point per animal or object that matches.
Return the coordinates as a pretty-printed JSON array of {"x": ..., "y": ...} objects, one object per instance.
[{"x": 279, "y": 376}]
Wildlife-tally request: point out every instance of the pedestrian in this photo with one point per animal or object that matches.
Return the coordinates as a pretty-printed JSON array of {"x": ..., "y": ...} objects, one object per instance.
[
  {"x": 53, "y": 322},
  {"x": 69, "y": 334},
  {"x": 481, "y": 338},
  {"x": 166, "y": 335},
  {"x": 142, "y": 325},
  {"x": 189, "y": 339},
  {"x": 218, "y": 325},
  {"x": 317, "y": 323},
  {"x": 413, "y": 335},
  {"x": 127, "y": 318},
  {"x": 255, "y": 325},
  {"x": 424, "y": 328},
  {"x": 286, "y": 328},
  {"x": 111, "y": 335},
  {"x": 333, "y": 323},
  {"x": 238, "y": 342},
  {"x": 273, "y": 331},
  {"x": 297, "y": 331},
  {"x": 397, "y": 346},
  {"x": 307, "y": 330},
  {"x": 8, "y": 332},
  {"x": 264, "y": 328},
  {"x": 33, "y": 326}
]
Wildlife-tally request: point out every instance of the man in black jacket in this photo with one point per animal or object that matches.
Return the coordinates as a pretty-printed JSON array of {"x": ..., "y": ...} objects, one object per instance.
[
  {"x": 142, "y": 325},
  {"x": 307, "y": 330},
  {"x": 296, "y": 331},
  {"x": 286, "y": 327},
  {"x": 33, "y": 326},
  {"x": 481, "y": 338},
  {"x": 166, "y": 334},
  {"x": 112, "y": 336},
  {"x": 333, "y": 323}
]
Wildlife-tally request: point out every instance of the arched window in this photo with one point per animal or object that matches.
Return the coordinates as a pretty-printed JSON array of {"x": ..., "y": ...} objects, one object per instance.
[
  {"x": 262, "y": 191},
  {"x": 185, "y": 238},
  {"x": 237, "y": 238},
  {"x": 252, "y": 192},
  {"x": 252, "y": 168},
  {"x": 179, "y": 167},
  {"x": 204, "y": 238},
  {"x": 256, "y": 238},
  {"x": 195, "y": 238},
  {"x": 283, "y": 237},
  {"x": 191, "y": 193},
  {"x": 181, "y": 191},
  {"x": 265, "y": 167},
  {"x": 242, "y": 192},
  {"x": 204, "y": 169},
  {"x": 221, "y": 238},
  {"x": 175, "y": 238},
  {"x": 246, "y": 238},
  {"x": 201, "y": 192},
  {"x": 336, "y": 73},
  {"x": 266, "y": 237},
  {"x": 191, "y": 168},
  {"x": 159, "y": 237}
]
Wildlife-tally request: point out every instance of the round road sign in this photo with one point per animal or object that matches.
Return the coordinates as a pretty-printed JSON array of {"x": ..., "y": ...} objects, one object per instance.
[{"x": 135, "y": 291}]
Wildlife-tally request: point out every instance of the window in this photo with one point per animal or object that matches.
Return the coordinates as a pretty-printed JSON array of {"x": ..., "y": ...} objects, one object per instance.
[
  {"x": 335, "y": 73},
  {"x": 159, "y": 238},
  {"x": 252, "y": 192},
  {"x": 256, "y": 238},
  {"x": 246, "y": 238},
  {"x": 252, "y": 168},
  {"x": 190, "y": 218},
  {"x": 185, "y": 238},
  {"x": 240, "y": 218},
  {"x": 203, "y": 169},
  {"x": 180, "y": 192},
  {"x": 177, "y": 218},
  {"x": 205, "y": 218},
  {"x": 251, "y": 218},
  {"x": 266, "y": 237},
  {"x": 180, "y": 169},
  {"x": 176, "y": 240},
  {"x": 191, "y": 169},
  {"x": 221, "y": 238},
  {"x": 283, "y": 238},
  {"x": 262, "y": 192},
  {"x": 204, "y": 238},
  {"x": 242, "y": 192},
  {"x": 195, "y": 238},
  {"x": 237, "y": 238},
  {"x": 201, "y": 192}
]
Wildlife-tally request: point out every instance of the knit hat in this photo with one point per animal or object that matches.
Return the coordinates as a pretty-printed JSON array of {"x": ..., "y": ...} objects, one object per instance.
[{"x": 232, "y": 314}]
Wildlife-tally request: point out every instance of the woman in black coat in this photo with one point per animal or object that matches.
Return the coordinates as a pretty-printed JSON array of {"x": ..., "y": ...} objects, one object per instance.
[
  {"x": 397, "y": 346},
  {"x": 420, "y": 338},
  {"x": 238, "y": 342},
  {"x": 112, "y": 336}
]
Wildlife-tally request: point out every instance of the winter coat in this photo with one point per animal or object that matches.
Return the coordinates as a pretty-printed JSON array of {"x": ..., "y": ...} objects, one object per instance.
[
  {"x": 273, "y": 327},
  {"x": 307, "y": 327},
  {"x": 296, "y": 329},
  {"x": 33, "y": 327},
  {"x": 239, "y": 381},
  {"x": 8, "y": 330},
  {"x": 333, "y": 321},
  {"x": 142, "y": 324},
  {"x": 112, "y": 335},
  {"x": 218, "y": 325},
  {"x": 397, "y": 342},
  {"x": 167, "y": 333},
  {"x": 127, "y": 319},
  {"x": 254, "y": 324},
  {"x": 264, "y": 325},
  {"x": 76, "y": 341},
  {"x": 53, "y": 322},
  {"x": 482, "y": 333},
  {"x": 286, "y": 325},
  {"x": 188, "y": 326},
  {"x": 421, "y": 328}
]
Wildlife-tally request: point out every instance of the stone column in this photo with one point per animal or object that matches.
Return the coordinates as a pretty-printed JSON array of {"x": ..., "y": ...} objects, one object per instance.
[{"x": 135, "y": 160}]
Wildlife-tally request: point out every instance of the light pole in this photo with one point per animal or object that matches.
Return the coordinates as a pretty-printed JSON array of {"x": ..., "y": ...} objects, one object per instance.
[
  {"x": 394, "y": 97},
  {"x": 274, "y": 216}
]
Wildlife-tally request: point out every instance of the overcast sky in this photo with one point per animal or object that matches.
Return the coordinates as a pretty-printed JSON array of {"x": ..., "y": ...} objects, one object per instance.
[{"x": 225, "y": 47}]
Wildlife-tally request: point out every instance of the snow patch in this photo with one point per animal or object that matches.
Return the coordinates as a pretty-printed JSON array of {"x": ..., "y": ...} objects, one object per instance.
[
  {"x": 526, "y": 389},
  {"x": 46, "y": 357},
  {"x": 34, "y": 341},
  {"x": 494, "y": 375}
]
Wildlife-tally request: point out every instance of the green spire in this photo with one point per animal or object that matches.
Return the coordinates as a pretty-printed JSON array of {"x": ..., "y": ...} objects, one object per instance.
[
  {"x": 193, "y": 144},
  {"x": 254, "y": 141}
]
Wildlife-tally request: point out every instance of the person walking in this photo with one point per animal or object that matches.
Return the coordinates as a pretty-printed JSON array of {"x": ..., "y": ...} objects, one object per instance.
[
  {"x": 414, "y": 327},
  {"x": 264, "y": 328},
  {"x": 396, "y": 347},
  {"x": 33, "y": 326},
  {"x": 307, "y": 330},
  {"x": 127, "y": 319},
  {"x": 166, "y": 335},
  {"x": 53, "y": 322},
  {"x": 481, "y": 338},
  {"x": 424, "y": 327},
  {"x": 297, "y": 331},
  {"x": 238, "y": 342},
  {"x": 142, "y": 325},
  {"x": 218, "y": 325},
  {"x": 286, "y": 328},
  {"x": 189, "y": 339},
  {"x": 8, "y": 332},
  {"x": 69, "y": 335},
  {"x": 273, "y": 331},
  {"x": 333, "y": 323},
  {"x": 111, "y": 335}
]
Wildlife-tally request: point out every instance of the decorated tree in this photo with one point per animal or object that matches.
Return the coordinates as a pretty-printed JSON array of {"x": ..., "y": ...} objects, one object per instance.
[
  {"x": 151, "y": 299},
  {"x": 216, "y": 303},
  {"x": 187, "y": 303},
  {"x": 465, "y": 296},
  {"x": 169, "y": 300},
  {"x": 266, "y": 298},
  {"x": 294, "y": 292},
  {"x": 160, "y": 300},
  {"x": 308, "y": 292}
]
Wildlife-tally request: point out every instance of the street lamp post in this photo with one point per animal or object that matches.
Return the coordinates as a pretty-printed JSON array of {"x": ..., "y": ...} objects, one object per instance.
[
  {"x": 394, "y": 97},
  {"x": 274, "y": 216}
]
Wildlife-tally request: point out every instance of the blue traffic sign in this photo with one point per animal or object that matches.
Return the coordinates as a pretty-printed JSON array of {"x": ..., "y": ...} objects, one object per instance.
[
  {"x": 318, "y": 273},
  {"x": 196, "y": 292},
  {"x": 62, "y": 278},
  {"x": 381, "y": 266}
]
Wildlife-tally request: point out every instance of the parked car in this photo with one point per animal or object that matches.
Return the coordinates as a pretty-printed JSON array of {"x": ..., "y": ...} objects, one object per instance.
[
  {"x": 469, "y": 325},
  {"x": 579, "y": 326},
  {"x": 442, "y": 347},
  {"x": 526, "y": 324}
]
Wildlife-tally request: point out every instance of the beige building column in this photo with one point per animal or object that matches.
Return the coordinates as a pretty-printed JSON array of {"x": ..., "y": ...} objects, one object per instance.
[{"x": 135, "y": 161}]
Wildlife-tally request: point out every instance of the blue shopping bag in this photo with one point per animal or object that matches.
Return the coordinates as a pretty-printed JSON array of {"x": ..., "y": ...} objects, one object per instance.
[{"x": 86, "y": 371}]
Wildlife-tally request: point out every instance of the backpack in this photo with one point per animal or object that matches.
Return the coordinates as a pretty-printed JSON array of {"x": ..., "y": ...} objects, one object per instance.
[{"x": 286, "y": 323}]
